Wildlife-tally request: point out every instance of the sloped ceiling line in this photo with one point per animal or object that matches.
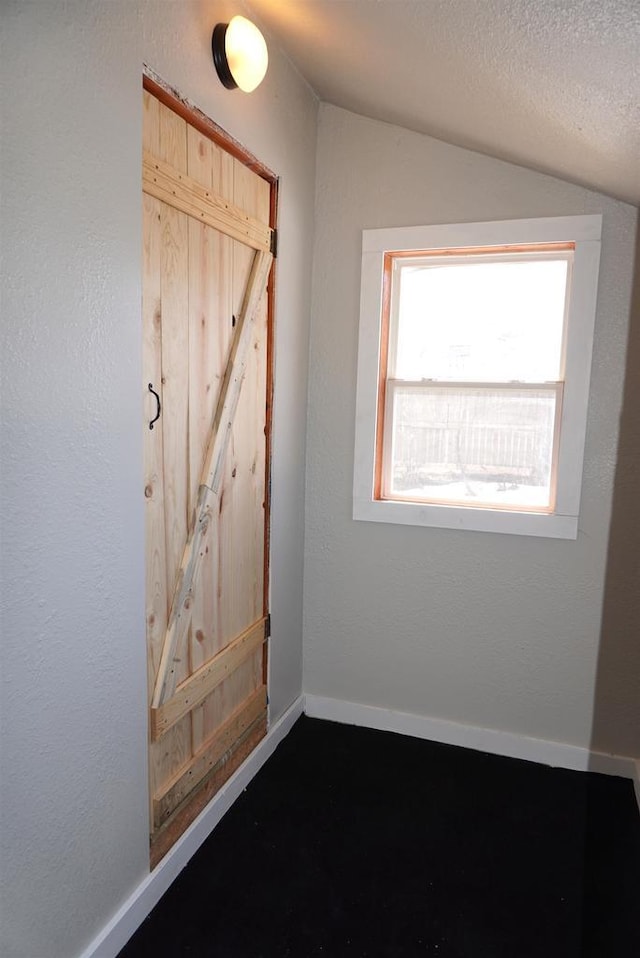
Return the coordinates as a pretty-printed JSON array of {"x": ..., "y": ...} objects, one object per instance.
[{"x": 553, "y": 85}]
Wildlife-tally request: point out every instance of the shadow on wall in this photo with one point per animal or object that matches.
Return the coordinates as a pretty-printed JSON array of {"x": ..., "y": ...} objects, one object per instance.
[
  {"x": 616, "y": 720},
  {"x": 607, "y": 853}
]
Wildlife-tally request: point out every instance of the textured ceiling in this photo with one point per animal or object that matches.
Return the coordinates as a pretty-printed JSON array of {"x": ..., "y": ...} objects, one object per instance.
[{"x": 553, "y": 85}]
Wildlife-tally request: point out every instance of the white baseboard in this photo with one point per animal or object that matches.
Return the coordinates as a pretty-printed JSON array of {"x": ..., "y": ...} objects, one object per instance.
[
  {"x": 636, "y": 780},
  {"x": 116, "y": 933},
  {"x": 556, "y": 754}
]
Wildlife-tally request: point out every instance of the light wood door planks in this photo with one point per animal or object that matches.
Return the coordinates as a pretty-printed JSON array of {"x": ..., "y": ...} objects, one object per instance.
[{"x": 207, "y": 240}]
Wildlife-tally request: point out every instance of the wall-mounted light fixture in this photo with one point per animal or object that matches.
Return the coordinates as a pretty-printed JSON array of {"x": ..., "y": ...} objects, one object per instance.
[{"x": 239, "y": 54}]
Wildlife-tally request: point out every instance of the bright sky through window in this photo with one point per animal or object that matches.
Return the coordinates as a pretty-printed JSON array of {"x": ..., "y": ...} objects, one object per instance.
[{"x": 481, "y": 321}]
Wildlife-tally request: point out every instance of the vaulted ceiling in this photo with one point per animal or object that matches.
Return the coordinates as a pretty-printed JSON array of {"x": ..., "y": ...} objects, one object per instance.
[{"x": 553, "y": 85}]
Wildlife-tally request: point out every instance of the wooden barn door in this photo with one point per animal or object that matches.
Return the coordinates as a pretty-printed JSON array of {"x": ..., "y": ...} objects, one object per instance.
[{"x": 206, "y": 265}]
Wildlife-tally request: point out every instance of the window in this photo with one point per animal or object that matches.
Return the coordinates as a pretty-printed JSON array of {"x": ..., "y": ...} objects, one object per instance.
[{"x": 473, "y": 374}]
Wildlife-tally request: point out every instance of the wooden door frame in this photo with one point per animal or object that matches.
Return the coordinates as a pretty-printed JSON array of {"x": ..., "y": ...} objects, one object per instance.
[{"x": 170, "y": 97}]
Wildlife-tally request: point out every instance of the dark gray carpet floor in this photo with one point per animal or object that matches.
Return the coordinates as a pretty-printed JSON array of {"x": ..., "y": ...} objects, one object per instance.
[{"x": 352, "y": 842}]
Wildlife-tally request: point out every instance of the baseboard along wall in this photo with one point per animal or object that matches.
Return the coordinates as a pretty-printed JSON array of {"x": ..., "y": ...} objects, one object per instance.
[
  {"x": 636, "y": 780},
  {"x": 116, "y": 933},
  {"x": 555, "y": 754}
]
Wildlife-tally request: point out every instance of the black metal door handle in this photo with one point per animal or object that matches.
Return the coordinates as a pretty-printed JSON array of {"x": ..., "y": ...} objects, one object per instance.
[{"x": 159, "y": 409}]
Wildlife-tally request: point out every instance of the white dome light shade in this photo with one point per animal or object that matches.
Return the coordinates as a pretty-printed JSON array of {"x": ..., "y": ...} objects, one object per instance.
[{"x": 239, "y": 54}]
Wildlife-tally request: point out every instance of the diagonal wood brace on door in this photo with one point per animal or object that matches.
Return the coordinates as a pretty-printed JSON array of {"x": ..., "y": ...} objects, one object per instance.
[{"x": 207, "y": 507}]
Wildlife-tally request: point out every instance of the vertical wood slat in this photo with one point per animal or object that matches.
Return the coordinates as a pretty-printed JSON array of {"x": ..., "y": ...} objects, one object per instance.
[
  {"x": 210, "y": 332},
  {"x": 156, "y": 573},
  {"x": 150, "y": 123},
  {"x": 172, "y": 753},
  {"x": 203, "y": 362},
  {"x": 156, "y": 601},
  {"x": 175, "y": 349},
  {"x": 253, "y": 193},
  {"x": 156, "y": 593}
]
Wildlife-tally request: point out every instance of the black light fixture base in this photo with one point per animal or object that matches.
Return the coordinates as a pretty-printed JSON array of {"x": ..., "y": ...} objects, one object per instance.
[{"x": 220, "y": 57}]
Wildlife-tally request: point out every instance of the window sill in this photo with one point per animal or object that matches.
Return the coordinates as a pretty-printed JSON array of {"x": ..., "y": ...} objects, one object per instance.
[{"x": 466, "y": 519}]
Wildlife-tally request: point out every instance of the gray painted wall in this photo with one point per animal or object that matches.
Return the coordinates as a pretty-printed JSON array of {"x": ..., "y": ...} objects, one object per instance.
[
  {"x": 74, "y": 779},
  {"x": 497, "y": 631}
]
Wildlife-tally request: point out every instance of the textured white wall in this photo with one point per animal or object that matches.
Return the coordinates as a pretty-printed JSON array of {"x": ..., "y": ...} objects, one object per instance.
[
  {"x": 73, "y": 747},
  {"x": 490, "y": 630}
]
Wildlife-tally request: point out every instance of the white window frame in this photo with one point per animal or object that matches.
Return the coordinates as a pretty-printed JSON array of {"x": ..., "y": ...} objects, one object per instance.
[{"x": 585, "y": 233}]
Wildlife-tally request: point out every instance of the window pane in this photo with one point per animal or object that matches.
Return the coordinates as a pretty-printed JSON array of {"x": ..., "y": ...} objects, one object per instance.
[
  {"x": 473, "y": 446},
  {"x": 474, "y": 321}
]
